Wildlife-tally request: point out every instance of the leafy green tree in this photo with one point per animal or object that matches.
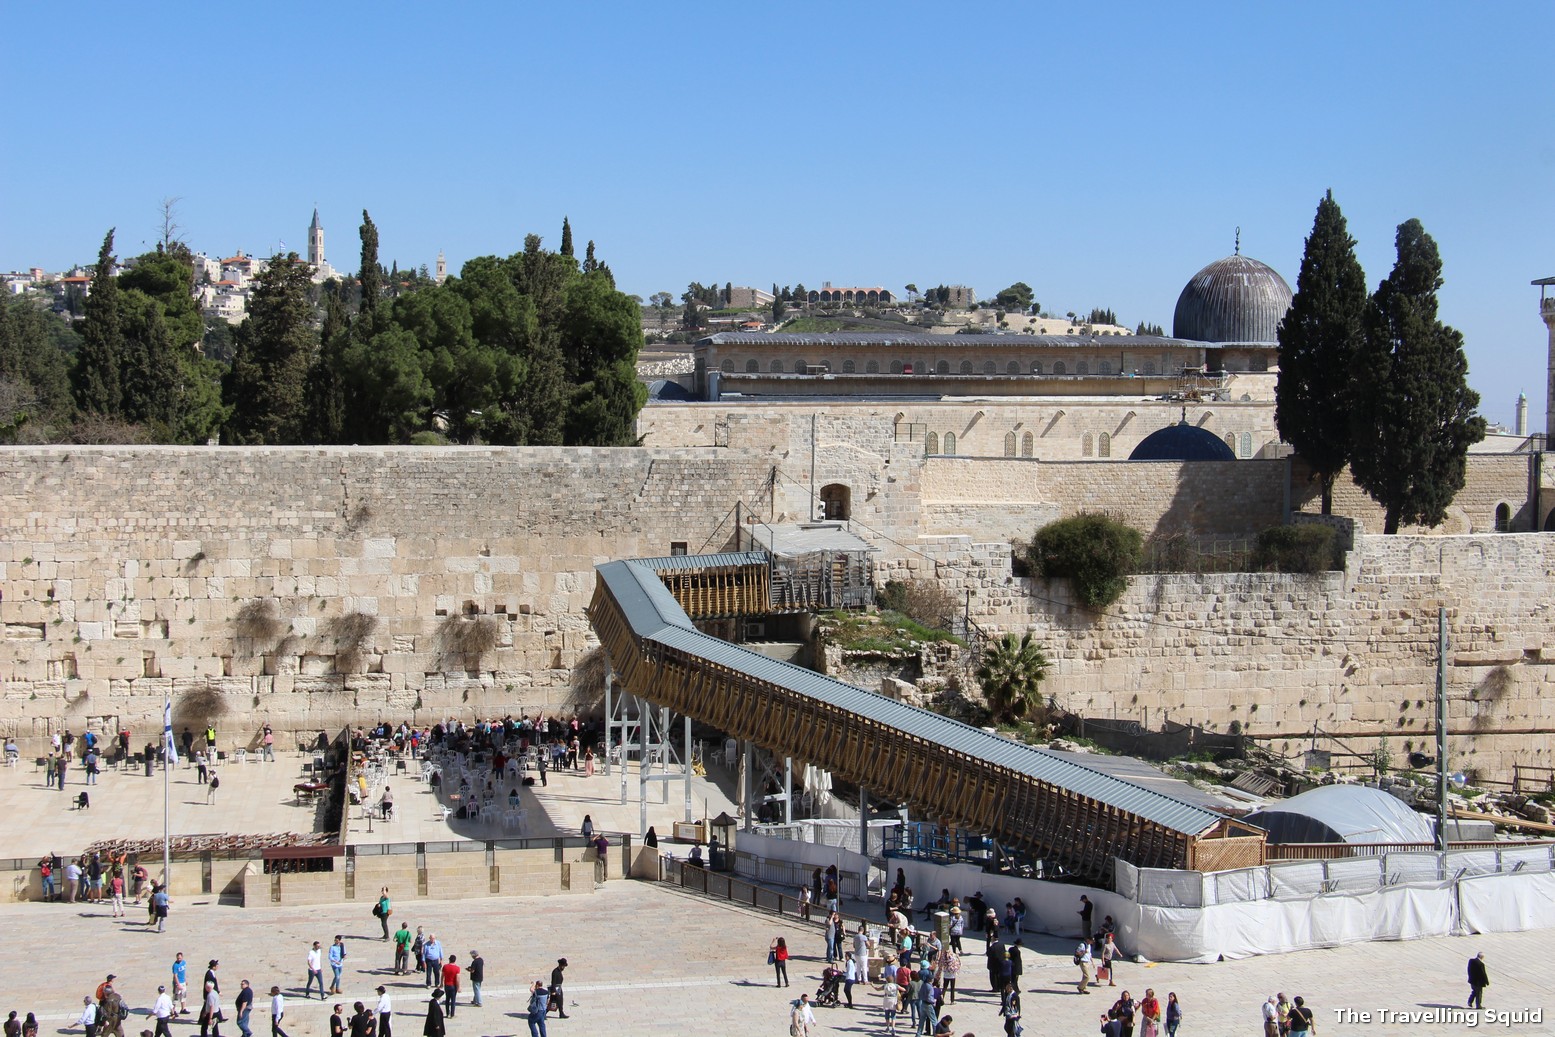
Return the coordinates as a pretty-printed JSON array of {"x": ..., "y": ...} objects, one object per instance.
[
  {"x": 1097, "y": 553},
  {"x": 566, "y": 238},
  {"x": 371, "y": 274},
  {"x": 326, "y": 375},
  {"x": 96, "y": 374},
  {"x": 1017, "y": 296},
  {"x": 1146, "y": 328},
  {"x": 601, "y": 336},
  {"x": 1100, "y": 315},
  {"x": 692, "y": 318},
  {"x": 35, "y": 396},
  {"x": 1413, "y": 414},
  {"x": 267, "y": 386},
  {"x": 1320, "y": 337},
  {"x": 1011, "y": 674}
]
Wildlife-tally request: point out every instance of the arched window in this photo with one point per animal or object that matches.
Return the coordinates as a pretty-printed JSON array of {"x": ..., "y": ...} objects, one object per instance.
[
  {"x": 1231, "y": 441},
  {"x": 1082, "y": 368},
  {"x": 1105, "y": 367},
  {"x": 777, "y": 367},
  {"x": 872, "y": 367},
  {"x": 727, "y": 365},
  {"x": 1036, "y": 367},
  {"x": 950, "y": 442},
  {"x": 989, "y": 367},
  {"x": 1104, "y": 445},
  {"x": 1503, "y": 518},
  {"x": 943, "y": 367},
  {"x": 931, "y": 443},
  {"x": 836, "y": 502},
  {"x": 1149, "y": 367},
  {"x": 1009, "y": 444},
  {"x": 1085, "y": 445},
  {"x": 966, "y": 367},
  {"x": 1058, "y": 367},
  {"x": 752, "y": 365},
  {"x": 1028, "y": 444},
  {"x": 847, "y": 367},
  {"x": 1012, "y": 367},
  {"x": 896, "y": 367},
  {"x": 800, "y": 367},
  {"x": 1247, "y": 445}
]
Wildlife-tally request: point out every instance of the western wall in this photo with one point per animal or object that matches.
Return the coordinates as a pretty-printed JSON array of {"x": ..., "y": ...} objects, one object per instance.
[{"x": 311, "y": 586}]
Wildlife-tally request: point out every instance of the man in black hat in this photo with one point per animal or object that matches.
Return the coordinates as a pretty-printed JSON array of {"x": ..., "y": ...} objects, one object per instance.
[
  {"x": 433, "y": 1027},
  {"x": 556, "y": 987},
  {"x": 210, "y": 975}
]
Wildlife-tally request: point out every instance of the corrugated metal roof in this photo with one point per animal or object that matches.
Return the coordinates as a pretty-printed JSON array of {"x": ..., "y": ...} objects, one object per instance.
[
  {"x": 844, "y": 338},
  {"x": 1236, "y": 300},
  {"x": 653, "y": 617},
  {"x": 726, "y": 560}
]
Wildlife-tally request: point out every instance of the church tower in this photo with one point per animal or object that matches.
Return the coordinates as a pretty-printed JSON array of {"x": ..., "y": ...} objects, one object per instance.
[
  {"x": 442, "y": 267},
  {"x": 316, "y": 242},
  {"x": 1547, "y": 311}
]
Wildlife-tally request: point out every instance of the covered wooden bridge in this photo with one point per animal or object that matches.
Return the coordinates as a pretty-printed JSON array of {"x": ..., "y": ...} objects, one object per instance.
[{"x": 1028, "y": 799}]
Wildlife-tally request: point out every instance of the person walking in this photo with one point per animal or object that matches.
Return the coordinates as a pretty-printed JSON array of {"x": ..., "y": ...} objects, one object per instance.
[
  {"x": 476, "y": 971},
  {"x": 432, "y": 955},
  {"x": 337, "y": 962},
  {"x": 277, "y": 1012},
  {"x": 890, "y": 1004},
  {"x": 777, "y": 954},
  {"x": 417, "y": 946},
  {"x": 181, "y": 984},
  {"x": 111, "y": 1011},
  {"x": 433, "y": 1027},
  {"x": 948, "y": 967},
  {"x": 1009, "y": 1008},
  {"x": 451, "y": 972},
  {"x": 210, "y": 974},
  {"x": 801, "y": 1020},
  {"x": 1109, "y": 959},
  {"x": 558, "y": 997},
  {"x": 385, "y": 1011},
  {"x": 1173, "y": 1014},
  {"x": 1082, "y": 958},
  {"x": 1479, "y": 979},
  {"x": 402, "y": 938},
  {"x": 315, "y": 971},
  {"x": 159, "y": 905},
  {"x": 88, "y": 1018},
  {"x": 539, "y": 999},
  {"x": 243, "y": 1007},
  {"x": 210, "y": 1012}
]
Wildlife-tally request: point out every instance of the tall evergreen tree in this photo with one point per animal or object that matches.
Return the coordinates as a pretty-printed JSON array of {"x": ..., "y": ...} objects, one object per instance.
[
  {"x": 1412, "y": 411},
  {"x": 266, "y": 387},
  {"x": 590, "y": 264},
  {"x": 96, "y": 375},
  {"x": 326, "y": 383},
  {"x": 371, "y": 273},
  {"x": 1319, "y": 339},
  {"x": 566, "y": 238}
]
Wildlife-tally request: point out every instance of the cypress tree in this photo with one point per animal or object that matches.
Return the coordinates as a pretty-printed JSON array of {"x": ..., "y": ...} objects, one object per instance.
[
  {"x": 1319, "y": 339},
  {"x": 1412, "y": 410},
  {"x": 96, "y": 375},
  {"x": 267, "y": 386},
  {"x": 371, "y": 273},
  {"x": 566, "y": 238}
]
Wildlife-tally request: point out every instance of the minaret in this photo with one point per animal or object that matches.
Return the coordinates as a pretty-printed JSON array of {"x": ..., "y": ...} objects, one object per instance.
[
  {"x": 1547, "y": 311},
  {"x": 1521, "y": 425},
  {"x": 442, "y": 267},
  {"x": 316, "y": 242}
]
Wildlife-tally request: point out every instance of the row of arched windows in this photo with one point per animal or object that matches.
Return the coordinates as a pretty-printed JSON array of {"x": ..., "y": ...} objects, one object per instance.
[
  {"x": 932, "y": 443},
  {"x": 1028, "y": 444},
  {"x": 989, "y": 367}
]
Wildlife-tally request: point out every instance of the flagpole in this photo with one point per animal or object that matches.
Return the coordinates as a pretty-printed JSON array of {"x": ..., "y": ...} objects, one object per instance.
[{"x": 167, "y": 766}]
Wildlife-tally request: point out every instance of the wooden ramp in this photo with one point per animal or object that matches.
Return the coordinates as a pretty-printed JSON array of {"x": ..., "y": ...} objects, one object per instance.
[{"x": 1074, "y": 818}]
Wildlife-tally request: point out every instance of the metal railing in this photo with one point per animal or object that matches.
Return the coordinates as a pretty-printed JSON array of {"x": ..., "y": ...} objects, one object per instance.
[{"x": 1339, "y": 851}]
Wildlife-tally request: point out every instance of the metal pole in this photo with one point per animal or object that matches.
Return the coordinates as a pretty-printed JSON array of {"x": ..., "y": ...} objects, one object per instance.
[
  {"x": 688, "y": 766},
  {"x": 745, "y": 783},
  {"x": 788, "y": 790},
  {"x": 609, "y": 723},
  {"x": 863, "y": 823},
  {"x": 1441, "y": 728},
  {"x": 167, "y": 763},
  {"x": 812, "y": 468},
  {"x": 664, "y": 751},
  {"x": 644, "y": 717}
]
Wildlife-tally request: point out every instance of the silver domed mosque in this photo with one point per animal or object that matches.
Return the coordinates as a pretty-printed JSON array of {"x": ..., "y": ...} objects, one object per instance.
[{"x": 1233, "y": 300}]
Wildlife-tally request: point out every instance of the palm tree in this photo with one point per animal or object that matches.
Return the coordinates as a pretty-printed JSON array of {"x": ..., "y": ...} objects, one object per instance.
[{"x": 1011, "y": 675}]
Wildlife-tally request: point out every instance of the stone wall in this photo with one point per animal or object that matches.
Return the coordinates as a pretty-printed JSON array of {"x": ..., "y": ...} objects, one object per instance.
[
  {"x": 1351, "y": 652},
  {"x": 226, "y": 578}
]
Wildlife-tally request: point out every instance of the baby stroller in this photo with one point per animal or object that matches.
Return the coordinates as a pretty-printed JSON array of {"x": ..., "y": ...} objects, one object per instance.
[{"x": 826, "y": 995}]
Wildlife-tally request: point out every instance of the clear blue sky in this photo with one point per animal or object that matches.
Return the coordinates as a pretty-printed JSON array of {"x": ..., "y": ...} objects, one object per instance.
[{"x": 1101, "y": 153}]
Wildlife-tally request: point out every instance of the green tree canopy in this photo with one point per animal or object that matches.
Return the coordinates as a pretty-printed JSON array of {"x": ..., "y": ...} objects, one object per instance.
[
  {"x": 1011, "y": 673},
  {"x": 266, "y": 388},
  {"x": 371, "y": 273},
  {"x": 96, "y": 373},
  {"x": 1017, "y": 296},
  {"x": 1412, "y": 412},
  {"x": 1097, "y": 553},
  {"x": 1320, "y": 337}
]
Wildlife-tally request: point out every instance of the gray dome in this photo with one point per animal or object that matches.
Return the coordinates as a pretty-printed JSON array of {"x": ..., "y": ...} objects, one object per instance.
[
  {"x": 1236, "y": 299},
  {"x": 1182, "y": 442}
]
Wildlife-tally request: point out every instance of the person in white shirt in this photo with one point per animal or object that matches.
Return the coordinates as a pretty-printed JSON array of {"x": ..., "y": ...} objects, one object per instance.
[
  {"x": 211, "y": 1016},
  {"x": 1271, "y": 1018},
  {"x": 277, "y": 1010},
  {"x": 385, "y": 1014},
  {"x": 801, "y": 1020},
  {"x": 163, "y": 1011},
  {"x": 88, "y": 1020},
  {"x": 315, "y": 971},
  {"x": 1082, "y": 958}
]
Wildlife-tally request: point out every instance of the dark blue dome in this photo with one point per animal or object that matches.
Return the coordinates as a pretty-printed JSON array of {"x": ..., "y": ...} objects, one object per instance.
[
  {"x": 1182, "y": 442},
  {"x": 667, "y": 390}
]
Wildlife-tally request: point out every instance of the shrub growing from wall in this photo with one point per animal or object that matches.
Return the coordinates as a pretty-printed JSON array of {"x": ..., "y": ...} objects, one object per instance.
[
  {"x": 1096, "y": 552},
  {"x": 1299, "y": 549}
]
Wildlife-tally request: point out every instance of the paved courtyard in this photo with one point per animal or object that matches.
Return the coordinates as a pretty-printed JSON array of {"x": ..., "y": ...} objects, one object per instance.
[{"x": 648, "y": 959}]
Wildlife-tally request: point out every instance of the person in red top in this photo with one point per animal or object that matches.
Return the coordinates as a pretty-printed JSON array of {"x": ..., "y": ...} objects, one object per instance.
[
  {"x": 779, "y": 951},
  {"x": 450, "y": 984}
]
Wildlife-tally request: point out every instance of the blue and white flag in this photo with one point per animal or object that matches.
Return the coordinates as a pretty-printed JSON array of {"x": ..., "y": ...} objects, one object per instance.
[{"x": 167, "y": 734}]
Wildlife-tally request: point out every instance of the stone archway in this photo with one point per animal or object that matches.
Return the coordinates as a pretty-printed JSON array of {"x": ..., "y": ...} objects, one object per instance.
[{"x": 836, "y": 502}]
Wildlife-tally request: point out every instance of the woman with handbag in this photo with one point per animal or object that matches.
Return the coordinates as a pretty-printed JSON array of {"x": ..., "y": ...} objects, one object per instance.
[
  {"x": 1149, "y": 1014},
  {"x": 777, "y": 957}
]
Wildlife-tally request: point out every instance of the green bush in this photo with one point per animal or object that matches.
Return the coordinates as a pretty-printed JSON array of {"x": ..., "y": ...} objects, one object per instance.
[
  {"x": 1095, "y": 552},
  {"x": 926, "y": 602},
  {"x": 1298, "y": 549}
]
